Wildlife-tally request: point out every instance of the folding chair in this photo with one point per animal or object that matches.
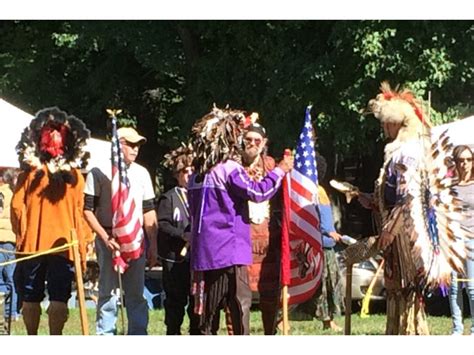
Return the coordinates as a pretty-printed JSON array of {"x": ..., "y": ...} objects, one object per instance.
[{"x": 5, "y": 301}]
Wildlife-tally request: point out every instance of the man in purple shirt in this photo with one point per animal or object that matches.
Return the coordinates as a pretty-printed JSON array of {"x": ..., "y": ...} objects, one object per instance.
[{"x": 218, "y": 195}]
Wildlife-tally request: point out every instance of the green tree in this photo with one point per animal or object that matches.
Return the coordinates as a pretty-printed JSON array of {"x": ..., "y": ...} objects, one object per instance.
[{"x": 166, "y": 74}]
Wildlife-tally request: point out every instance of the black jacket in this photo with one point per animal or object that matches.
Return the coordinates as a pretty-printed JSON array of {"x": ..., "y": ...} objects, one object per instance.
[{"x": 173, "y": 221}]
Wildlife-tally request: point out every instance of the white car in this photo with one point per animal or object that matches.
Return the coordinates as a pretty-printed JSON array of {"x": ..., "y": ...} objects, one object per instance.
[{"x": 362, "y": 275}]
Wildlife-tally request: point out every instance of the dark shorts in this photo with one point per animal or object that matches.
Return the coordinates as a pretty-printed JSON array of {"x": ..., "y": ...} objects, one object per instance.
[{"x": 56, "y": 271}]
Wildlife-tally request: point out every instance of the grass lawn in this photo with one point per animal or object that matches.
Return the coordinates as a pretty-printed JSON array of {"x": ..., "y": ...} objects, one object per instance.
[{"x": 373, "y": 325}]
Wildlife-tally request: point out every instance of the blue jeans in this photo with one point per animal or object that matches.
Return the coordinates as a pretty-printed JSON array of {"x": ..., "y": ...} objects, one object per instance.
[
  {"x": 133, "y": 283},
  {"x": 6, "y": 277},
  {"x": 455, "y": 295}
]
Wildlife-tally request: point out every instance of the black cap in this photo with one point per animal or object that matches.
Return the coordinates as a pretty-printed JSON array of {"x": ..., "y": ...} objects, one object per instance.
[{"x": 255, "y": 127}]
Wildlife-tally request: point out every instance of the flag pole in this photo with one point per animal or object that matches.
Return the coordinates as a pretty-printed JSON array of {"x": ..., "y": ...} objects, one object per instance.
[
  {"x": 286, "y": 323},
  {"x": 119, "y": 273},
  {"x": 119, "y": 267},
  {"x": 79, "y": 283}
]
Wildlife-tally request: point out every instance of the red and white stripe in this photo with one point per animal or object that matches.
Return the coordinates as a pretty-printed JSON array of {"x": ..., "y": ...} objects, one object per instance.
[
  {"x": 305, "y": 237},
  {"x": 125, "y": 219}
]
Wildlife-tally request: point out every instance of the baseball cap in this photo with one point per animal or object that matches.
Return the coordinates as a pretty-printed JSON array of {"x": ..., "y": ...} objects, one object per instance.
[{"x": 130, "y": 135}]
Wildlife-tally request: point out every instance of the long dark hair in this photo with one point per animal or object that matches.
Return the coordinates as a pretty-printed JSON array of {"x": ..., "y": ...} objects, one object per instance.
[
  {"x": 10, "y": 176},
  {"x": 457, "y": 151}
]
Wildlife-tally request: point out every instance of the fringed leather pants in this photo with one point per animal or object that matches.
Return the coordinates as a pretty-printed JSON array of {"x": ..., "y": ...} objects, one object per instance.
[{"x": 227, "y": 288}]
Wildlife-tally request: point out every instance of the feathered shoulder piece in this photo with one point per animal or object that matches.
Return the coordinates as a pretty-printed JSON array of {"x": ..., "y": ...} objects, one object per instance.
[
  {"x": 53, "y": 138},
  {"x": 217, "y": 137},
  {"x": 433, "y": 217},
  {"x": 430, "y": 213},
  {"x": 179, "y": 158}
]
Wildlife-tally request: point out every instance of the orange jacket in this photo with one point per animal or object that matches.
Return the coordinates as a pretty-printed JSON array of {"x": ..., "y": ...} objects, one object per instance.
[{"x": 44, "y": 211}]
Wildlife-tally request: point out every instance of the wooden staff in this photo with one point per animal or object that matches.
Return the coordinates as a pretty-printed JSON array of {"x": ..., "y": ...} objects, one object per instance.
[
  {"x": 347, "y": 321},
  {"x": 79, "y": 283}
]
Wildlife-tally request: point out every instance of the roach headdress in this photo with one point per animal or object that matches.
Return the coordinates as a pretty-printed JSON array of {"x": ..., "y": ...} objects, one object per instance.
[
  {"x": 53, "y": 138},
  {"x": 400, "y": 106},
  {"x": 179, "y": 158}
]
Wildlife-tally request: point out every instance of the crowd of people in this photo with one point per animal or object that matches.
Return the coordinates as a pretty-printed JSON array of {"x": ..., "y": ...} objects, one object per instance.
[{"x": 216, "y": 233}]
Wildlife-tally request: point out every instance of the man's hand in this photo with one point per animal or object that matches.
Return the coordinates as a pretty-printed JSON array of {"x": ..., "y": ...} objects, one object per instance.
[
  {"x": 152, "y": 255},
  {"x": 110, "y": 242},
  {"x": 336, "y": 236},
  {"x": 366, "y": 200},
  {"x": 385, "y": 239},
  {"x": 151, "y": 228},
  {"x": 112, "y": 245},
  {"x": 287, "y": 163},
  {"x": 186, "y": 237}
]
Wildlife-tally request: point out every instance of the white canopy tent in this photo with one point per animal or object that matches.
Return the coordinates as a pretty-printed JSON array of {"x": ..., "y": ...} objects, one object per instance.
[
  {"x": 460, "y": 131},
  {"x": 15, "y": 120}
]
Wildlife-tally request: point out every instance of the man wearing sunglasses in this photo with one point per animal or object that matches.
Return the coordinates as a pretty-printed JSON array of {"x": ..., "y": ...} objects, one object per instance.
[
  {"x": 264, "y": 272},
  {"x": 219, "y": 192}
]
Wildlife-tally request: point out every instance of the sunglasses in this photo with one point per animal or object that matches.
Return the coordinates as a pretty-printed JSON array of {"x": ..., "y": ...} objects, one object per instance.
[
  {"x": 462, "y": 160},
  {"x": 130, "y": 144},
  {"x": 256, "y": 141}
]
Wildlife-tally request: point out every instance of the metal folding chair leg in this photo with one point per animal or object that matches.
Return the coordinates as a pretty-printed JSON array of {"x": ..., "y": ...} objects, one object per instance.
[{"x": 5, "y": 301}]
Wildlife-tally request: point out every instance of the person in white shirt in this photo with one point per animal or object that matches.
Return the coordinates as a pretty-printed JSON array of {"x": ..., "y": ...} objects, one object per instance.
[{"x": 98, "y": 213}]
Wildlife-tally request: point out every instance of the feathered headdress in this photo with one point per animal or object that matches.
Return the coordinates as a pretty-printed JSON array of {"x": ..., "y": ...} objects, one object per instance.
[
  {"x": 55, "y": 139},
  {"x": 248, "y": 120},
  {"x": 179, "y": 158},
  {"x": 216, "y": 137}
]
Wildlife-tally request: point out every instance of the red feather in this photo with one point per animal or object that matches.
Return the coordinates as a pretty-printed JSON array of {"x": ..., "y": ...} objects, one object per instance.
[
  {"x": 405, "y": 95},
  {"x": 52, "y": 140}
]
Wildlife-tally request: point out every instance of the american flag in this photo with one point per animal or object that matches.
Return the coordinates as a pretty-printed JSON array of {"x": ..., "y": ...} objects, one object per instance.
[
  {"x": 126, "y": 225},
  {"x": 302, "y": 255}
]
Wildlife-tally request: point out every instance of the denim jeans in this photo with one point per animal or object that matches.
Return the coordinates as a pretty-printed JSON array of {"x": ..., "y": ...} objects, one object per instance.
[
  {"x": 133, "y": 283},
  {"x": 456, "y": 296},
  {"x": 6, "y": 277}
]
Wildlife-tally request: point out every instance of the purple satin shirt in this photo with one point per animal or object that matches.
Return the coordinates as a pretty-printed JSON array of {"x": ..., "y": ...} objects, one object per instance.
[{"x": 219, "y": 214}]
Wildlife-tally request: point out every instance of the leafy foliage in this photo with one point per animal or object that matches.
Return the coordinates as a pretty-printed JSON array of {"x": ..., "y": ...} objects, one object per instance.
[{"x": 167, "y": 74}]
